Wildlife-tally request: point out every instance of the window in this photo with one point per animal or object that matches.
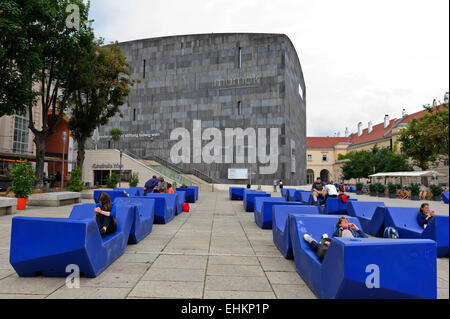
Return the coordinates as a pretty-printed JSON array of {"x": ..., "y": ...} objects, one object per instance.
[
  {"x": 239, "y": 108},
  {"x": 324, "y": 157},
  {"x": 240, "y": 58},
  {"x": 109, "y": 144},
  {"x": 309, "y": 157},
  {"x": 145, "y": 61},
  {"x": 134, "y": 114},
  {"x": 21, "y": 133}
]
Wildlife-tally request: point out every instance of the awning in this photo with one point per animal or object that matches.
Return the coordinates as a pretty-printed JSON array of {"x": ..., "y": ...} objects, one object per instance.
[{"x": 408, "y": 174}]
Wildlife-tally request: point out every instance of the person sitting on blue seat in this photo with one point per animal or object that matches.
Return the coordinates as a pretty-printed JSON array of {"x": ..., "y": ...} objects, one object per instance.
[
  {"x": 318, "y": 190},
  {"x": 150, "y": 185},
  {"x": 331, "y": 191},
  {"x": 105, "y": 215},
  {"x": 425, "y": 215},
  {"x": 344, "y": 229}
]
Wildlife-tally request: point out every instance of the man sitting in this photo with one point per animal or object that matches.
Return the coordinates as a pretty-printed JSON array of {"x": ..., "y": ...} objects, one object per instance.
[
  {"x": 150, "y": 185},
  {"x": 318, "y": 189}
]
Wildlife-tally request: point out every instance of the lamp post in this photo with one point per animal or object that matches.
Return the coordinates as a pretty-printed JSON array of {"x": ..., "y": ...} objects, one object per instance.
[
  {"x": 62, "y": 169},
  {"x": 120, "y": 169}
]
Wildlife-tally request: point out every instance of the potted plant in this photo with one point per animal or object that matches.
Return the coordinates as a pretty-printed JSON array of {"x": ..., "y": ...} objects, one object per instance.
[
  {"x": 415, "y": 191},
  {"x": 380, "y": 189},
  {"x": 23, "y": 179},
  {"x": 113, "y": 180},
  {"x": 373, "y": 190},
  {"x": 134, "y": 180},
  {"x": 75, "y": 182},
  {"x": 392, "y": 190},
  {"x": 359, "y": 187},
  {"x": 436, "y": 190}
]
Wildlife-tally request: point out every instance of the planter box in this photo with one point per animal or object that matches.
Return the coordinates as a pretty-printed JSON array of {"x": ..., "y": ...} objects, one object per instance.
[
  {"x": 437, "y": 198},
  {"x": 359, "y": 192},
  {"x": 381, "y": 195},
  {"x": 414, "y": 197},
  {"x": 373, "y": 194},
  {"x": 392, "y": 196}
]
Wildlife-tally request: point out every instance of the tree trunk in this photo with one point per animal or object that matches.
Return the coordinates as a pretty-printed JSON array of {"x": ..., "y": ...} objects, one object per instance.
[
  {"x": 81, "y": 154},
  {"x": 39, "y": 141}
]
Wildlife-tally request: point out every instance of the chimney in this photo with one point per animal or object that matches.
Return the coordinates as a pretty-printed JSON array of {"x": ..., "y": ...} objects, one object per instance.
[
  {"x": 446, "y": 97},
  {"x": 370, "y": 128},
  {"x": 346, "y": 132},
  {"x": 338, "y": 134},
  {"x": 403, "y": 113},
  {"x": 360, "y": 129},
  {"x": 434, "y": 102},
  {"x": 386, "y": 121}
]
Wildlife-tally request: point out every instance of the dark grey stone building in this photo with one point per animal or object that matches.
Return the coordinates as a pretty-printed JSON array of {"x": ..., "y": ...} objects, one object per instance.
[{"x": 226, "y": 81}]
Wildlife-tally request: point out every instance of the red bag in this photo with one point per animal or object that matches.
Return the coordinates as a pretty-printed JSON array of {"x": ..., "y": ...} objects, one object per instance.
[
  {"x": 186, "y": 208},
  {"x": 343, "y": 198}
]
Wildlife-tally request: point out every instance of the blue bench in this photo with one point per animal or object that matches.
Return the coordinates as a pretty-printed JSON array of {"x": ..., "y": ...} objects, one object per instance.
[
  {"x": 46, "y": 246},
  {"x": 249, "y": 199},
  {"x": 195, "y": 188},
  {"x": 190, "y": 194},
  {"x": 144, "y": 216},
  {"x": 181, "y": 200},
  {"x": 284, "y": 192},
  {"x": 365, "y": 212},
  {"x": 404, "y": 219},
  {"x": 406, "y": 267},
  {"x": 335, "y": 206},
  {"x": 132, "y": 191},
  {"x": 290, "y": 195},
  {"x": 263, "y": 210},
  {"x": 113, "y": 194},
  {"x": 304, "y": 197},
  {"x": 311, "y": 200},
  {"x": 445, "y": 197},
  {"x": 165, "y": 207},
  {"x": 280, "y": 224},
  {"x": 236, "y": 193}
]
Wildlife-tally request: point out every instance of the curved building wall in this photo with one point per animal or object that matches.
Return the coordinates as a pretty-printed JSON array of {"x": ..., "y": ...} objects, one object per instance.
[{"x": 225, "y": 81}]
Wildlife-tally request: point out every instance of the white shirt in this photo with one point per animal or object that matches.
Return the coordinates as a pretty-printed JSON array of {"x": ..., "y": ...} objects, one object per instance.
[{"x": 331, "y": 189}]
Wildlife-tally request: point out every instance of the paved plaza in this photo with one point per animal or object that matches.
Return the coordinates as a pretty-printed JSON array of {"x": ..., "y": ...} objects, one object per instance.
[{"x": 215, "y": 251}]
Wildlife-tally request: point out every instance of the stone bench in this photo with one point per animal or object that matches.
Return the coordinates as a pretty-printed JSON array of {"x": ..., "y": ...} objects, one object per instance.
[
  {"x": 7, "y": 206},
  {"x": 54, "y": 199}
]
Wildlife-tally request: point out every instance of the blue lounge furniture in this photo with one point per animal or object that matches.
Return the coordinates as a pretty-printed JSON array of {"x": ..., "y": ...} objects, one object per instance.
[
  {"x": 144, "y": 216},
  {"x": 113, "y": 194},
  {"x": 196, "y": 189},
  {"x": 445, "y": 197},
  {"x": 190, "y": 194},
  {"x": 335, "y": 206},
  {"x": 46, "y": 246},
  {"x": 404, "y": 219},
  {"x": 365, "y": 212},
  {"x": 311, "y": 200},
  {"x": 165, "y": 207},
  {"x": 284, "y": 192},
  {"x": 361, "y": 268},
  {"x": 291, "y": 195},
  {"x": 263, "y": 210},
  {"x": 280, "y": 224},
  {"x": 181, "y": 201},
  {"x": 249, "y": 199},
  {"x": 304, "y": 197},
  {"x": 132, "y": 191},
  {"x": 236, "y": 193}
]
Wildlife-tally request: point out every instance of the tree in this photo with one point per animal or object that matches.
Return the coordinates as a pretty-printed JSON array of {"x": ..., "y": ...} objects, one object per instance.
[
  {"x": 426, "y": 138},
  {"x": 52, "y": 49},
  {"x": 115, "y": 134},
  {"x": 102, "y": 87}
]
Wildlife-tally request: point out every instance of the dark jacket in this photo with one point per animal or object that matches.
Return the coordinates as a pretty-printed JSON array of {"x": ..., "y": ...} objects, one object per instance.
[
  {"x": 356, "y": 234},
  {"x": 151, "y": 183},
  {"x": 422, "y": 219}
]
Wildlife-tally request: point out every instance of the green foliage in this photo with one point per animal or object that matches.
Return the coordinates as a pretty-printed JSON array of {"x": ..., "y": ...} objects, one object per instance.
[
  {"x": 415, "y": 189},
  {"x": 134, "y": 180},
  {"x": 398, "y": 186},
  {"x": 75, "y": 183},
  {"x": 22, "y": 176},
  {"x": 392, "y": 188},
  {"x": 113, "y": 180},
  {"x": 436, "y": 190},
  {"x": 115, "y": 134},
  {"x": 372, "y": 187},
  {"x": 359, "y": 186},
  {"x": 426, "y": 138},
  {"x": 379, "y": 187}
]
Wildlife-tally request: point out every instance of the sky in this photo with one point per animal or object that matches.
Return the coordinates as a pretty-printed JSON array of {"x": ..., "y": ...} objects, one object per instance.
[{"x": 360, "y": 59}]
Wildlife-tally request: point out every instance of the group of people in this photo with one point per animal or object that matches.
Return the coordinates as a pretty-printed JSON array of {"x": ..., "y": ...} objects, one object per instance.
[
  {"x": 324, "y": 191},
  {"x": 158, "y": 185},
  {"x": 277, "y": 183}
]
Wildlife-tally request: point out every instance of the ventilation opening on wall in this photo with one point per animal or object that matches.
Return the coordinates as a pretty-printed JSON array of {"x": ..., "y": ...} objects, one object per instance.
[{"x": 239, "y": 108}]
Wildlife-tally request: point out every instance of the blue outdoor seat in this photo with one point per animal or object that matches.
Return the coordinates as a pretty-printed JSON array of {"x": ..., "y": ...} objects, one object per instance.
[
  {"x": 335, "y": 206},
  {"x": 249, "y": 199},
  {"x": 280, "y": 224},
  {"x": 165, "y": 207},
  {"x": 365, "y": 212},
  {"x": 190, "y": 194},
  {"x": 311, "y": 200},
  {"x": 46, "y": 246},
  {"x": 113, "y": 194},
  {"x": 304, "y": 197},
  {"x": 263, "y": 210},
  {"x": 404, "y": 219},
  {"x": 445, "y": 197},
  {"x": 284, "y": 192},
  {"x": 406, "y": 268},
  {"x": 291, "y": 195},
  {"x": 181, "y": 201},
  {"x": 195, "y": 188},
  {"x": 132, "y": 191},
  {"x": 144, "y": 216},
  {"x": 236, "y": 193}
]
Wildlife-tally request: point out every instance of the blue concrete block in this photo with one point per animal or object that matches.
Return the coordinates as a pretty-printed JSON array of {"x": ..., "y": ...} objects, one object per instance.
[
  {"x": 304, "y": 197},
  {"x": 165, "y": 207},
  {"x": 280, "y": 224},
  {"x": 113, "y": 194},
  {"x": 263, "y": 210},
  {"x": 404, "y": 219},
  {"x": 144, "y": 216},
  {"x": 237, "y": 193},
  {"x": 196, "y": 189},
  {"x": 290, "y": 197},
  {"x": 284, "y": 192},
  {"x": 181, "y": 201},
  {"x": 335, "y": 206},
  {"x": 445, "y": 197},
  {"x": 132, "y": 191},
  {"x": 46, "y": 246},
  {"x": 407, "y": 267},
  {"x": 190, "y": 194},
  {"x": 249, "y": 199},
  {"x": 311, "y": 200},
  {"x": 364, "y": 211}
]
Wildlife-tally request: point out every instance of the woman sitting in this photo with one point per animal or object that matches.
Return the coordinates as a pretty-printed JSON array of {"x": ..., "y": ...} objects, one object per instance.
[
  {"x": 105, "y": 215},
  {"x": 169, "y": 189},
  {"x": 425, "y": 215}
]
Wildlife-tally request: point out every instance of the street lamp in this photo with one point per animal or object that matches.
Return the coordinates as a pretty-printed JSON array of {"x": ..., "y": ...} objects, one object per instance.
[
  {"x": 120, "y": 169},
  {"x": 63, "y": 150}
]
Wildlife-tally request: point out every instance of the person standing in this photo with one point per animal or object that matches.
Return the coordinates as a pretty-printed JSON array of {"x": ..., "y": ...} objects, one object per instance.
[
  {"x": 280, "y": 184},
  {"x": 275, "y": 184}
]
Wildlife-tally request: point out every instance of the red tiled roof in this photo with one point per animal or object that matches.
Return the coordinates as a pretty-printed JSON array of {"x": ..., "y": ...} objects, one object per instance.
[
  {"x": 324, "y": 142},
  {"x": 377, "y": 133}
]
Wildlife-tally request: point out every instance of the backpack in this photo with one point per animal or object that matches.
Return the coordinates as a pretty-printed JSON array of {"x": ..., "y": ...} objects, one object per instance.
[{"x": 186, "y": 208}]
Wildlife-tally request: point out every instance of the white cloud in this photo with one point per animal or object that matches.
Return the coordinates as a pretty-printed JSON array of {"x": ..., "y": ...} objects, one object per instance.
[{"x": 361, "y": 59}]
